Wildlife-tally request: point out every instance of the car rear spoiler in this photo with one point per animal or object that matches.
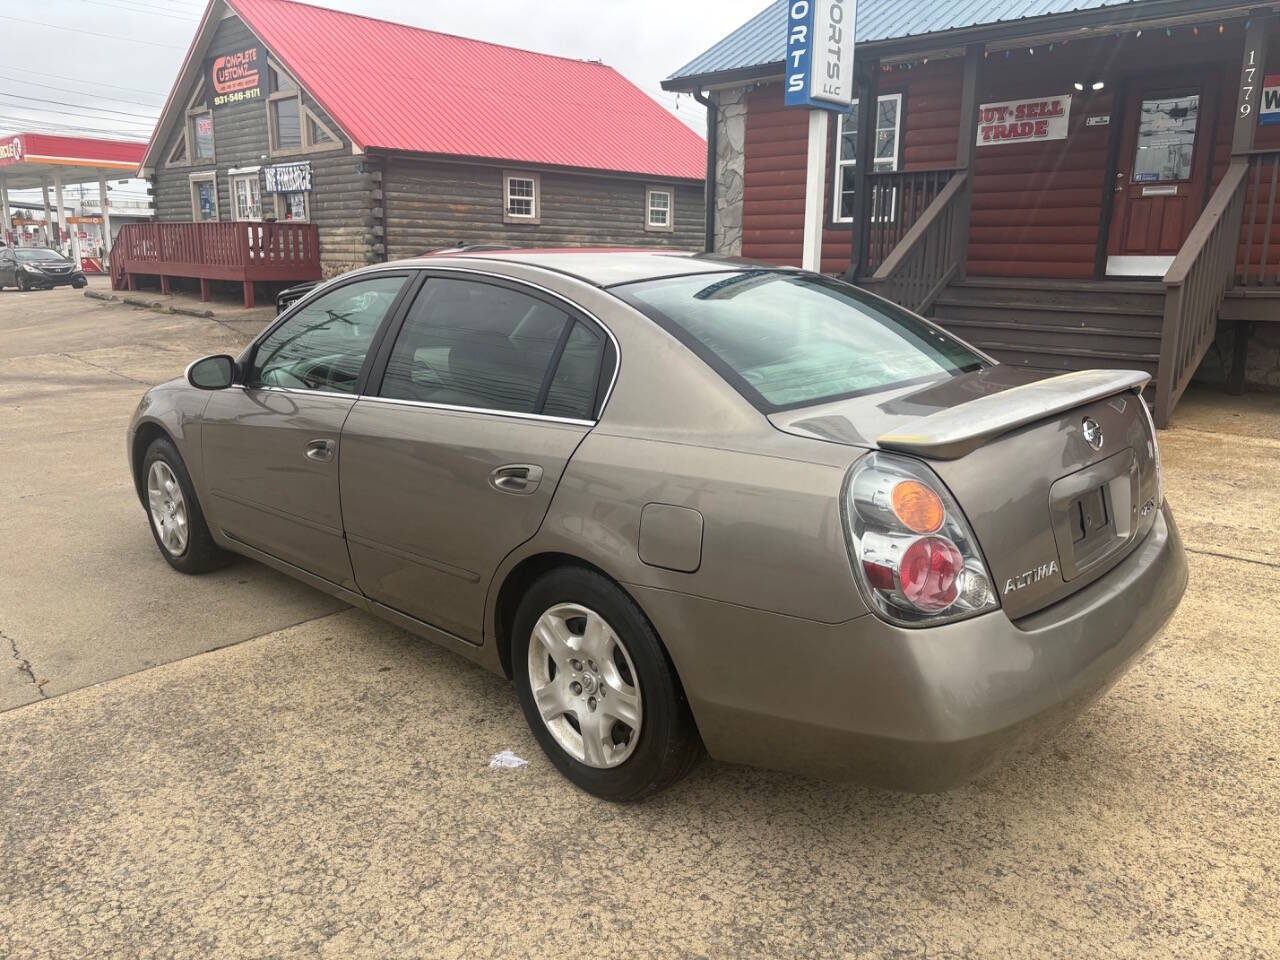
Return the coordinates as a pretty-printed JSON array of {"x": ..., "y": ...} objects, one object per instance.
[{"x": 950, "y": 434}]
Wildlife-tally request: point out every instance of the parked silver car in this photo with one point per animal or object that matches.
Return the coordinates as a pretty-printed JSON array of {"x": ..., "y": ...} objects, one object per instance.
[{"x": 684, "y": 501}]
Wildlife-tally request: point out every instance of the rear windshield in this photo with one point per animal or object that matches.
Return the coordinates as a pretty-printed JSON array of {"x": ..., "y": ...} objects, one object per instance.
[{"x": 787, "y": 340}]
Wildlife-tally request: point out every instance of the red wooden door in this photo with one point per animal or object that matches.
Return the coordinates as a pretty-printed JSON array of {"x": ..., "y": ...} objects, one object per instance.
[{"x": 1161, "y": 175}]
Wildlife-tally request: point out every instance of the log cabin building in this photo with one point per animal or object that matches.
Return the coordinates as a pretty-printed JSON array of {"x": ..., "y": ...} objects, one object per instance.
[
  {"x": 1064, "y": 183},
  {"x": 299, "y": 142}
]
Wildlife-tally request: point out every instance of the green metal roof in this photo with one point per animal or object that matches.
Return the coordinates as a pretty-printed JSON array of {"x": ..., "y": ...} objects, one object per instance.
[{"x": 762, "y": 39}]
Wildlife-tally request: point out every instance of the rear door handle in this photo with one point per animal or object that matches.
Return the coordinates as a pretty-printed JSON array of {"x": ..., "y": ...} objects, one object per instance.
[
  {"x": 518, "y": 478},
  {"x": 320, "y": 450}
]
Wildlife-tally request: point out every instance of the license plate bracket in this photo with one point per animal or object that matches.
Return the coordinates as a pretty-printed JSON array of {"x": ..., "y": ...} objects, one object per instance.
[{"x": 1092, "y": 512}]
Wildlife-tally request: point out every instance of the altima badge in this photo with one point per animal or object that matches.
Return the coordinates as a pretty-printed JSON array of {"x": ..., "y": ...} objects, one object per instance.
[
  {"x": 1031, "y": 576},
  {"x": 1092, "y": 433}
]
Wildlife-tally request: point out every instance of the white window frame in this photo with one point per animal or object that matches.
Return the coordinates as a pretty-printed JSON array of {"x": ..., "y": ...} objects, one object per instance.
[
  {"x": 281, "y": 206},
  {"x": 207, "y": 176},
  {"x": 256, "y": 178},
  {"x": 535, "y": 202},
  {"x": 840, "y": 166},
  {"x": 670, "y": 209}
]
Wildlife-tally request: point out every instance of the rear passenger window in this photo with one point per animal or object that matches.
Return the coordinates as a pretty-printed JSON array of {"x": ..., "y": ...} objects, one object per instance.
[
  {"x": 577, "y": 378},
  {"x": 470, "y": 344}
]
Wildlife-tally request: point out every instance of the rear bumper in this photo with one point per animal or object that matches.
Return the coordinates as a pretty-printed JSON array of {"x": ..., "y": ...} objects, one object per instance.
[{"x": 917, "y": 710}]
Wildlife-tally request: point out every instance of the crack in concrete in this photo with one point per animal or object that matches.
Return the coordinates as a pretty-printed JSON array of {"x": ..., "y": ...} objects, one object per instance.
[
  {"x": 1231, "y": 556},
  {"x": 24, "y": 665},
  {"x": 98, "y": 366}
]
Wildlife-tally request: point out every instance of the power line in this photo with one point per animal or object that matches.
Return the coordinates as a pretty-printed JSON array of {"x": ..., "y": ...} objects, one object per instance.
[
  {"x": 91, "y": 33},
  {"x": 97, "y": 83},
  {"x": 20, "y": 124},
  {"x": 50, "y": 86},
  {"x": 143, "y": 8},
  {"x": 92, "y": 111}
]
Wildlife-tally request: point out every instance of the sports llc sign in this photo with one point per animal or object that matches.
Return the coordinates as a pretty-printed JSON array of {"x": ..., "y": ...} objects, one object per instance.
[{"x": 819, "y": 62}]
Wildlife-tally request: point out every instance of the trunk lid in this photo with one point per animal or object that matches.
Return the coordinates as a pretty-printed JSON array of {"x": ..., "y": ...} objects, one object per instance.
[{"x": 1052, "y": 511}]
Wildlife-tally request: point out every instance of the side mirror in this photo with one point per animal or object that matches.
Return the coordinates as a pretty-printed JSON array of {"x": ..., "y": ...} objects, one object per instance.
[{"x": 212, "y": 373}]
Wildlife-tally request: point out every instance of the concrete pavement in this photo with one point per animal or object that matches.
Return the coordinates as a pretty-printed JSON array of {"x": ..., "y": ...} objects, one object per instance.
[{"x": 323, "y": 790}]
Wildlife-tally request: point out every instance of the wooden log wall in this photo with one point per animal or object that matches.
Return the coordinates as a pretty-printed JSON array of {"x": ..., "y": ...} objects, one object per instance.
[{"x": 438, "y": 203}]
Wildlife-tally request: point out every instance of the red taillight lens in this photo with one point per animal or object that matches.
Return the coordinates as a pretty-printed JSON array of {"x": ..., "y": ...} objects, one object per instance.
[{"x": 930, "y": 573}]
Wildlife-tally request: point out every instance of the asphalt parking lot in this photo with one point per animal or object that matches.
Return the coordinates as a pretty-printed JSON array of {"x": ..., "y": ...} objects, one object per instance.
[{"x": 238, "y": 766}]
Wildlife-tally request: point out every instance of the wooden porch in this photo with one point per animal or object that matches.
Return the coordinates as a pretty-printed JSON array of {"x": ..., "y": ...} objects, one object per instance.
[
  {"x": 245, "y": 252},
  {"x": 912, "y": 231}
]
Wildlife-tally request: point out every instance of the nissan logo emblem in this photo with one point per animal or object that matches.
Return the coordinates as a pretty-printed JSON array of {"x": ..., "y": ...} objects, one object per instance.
[{"x": 1092, "y": 432}]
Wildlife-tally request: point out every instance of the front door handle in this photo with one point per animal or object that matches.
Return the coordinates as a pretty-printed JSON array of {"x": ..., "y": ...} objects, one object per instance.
[
  {"x": 320, "y": 450},
  {"x": 518, "y": 478}
]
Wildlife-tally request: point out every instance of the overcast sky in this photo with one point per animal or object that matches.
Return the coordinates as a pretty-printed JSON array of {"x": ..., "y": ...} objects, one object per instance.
[{"x": 63, "y": 59}]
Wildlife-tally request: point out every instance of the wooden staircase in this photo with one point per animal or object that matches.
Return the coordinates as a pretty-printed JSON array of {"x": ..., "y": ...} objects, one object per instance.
[{"x": 1058, "y": 325}]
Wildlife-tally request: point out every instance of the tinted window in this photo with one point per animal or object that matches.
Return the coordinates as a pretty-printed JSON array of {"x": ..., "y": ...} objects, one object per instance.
[
  {"x": 38, "y": 253},
  {"x": 577, "y": 377},
  {"x": 787, "y": 340},
  {"x": 470, "y": 344},
  {"x": 324, "y": 344}
]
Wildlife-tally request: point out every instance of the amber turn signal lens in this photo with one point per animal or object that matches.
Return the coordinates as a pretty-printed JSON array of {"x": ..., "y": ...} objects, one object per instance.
[{"x": 918, "y": 507}]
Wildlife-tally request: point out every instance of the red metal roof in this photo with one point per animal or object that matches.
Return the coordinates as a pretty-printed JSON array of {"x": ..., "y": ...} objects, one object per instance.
[
  {"x": 71, "y": 151},
  {"x": 402, "y": 88}
]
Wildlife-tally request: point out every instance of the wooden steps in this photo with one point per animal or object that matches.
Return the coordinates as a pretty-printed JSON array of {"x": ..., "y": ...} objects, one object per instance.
[{"x": 1058, "y": 325}]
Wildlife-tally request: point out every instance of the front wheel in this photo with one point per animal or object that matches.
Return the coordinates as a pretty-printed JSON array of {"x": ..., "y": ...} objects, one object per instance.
[
  {"x": 22, "y": 284},
  {"x": 177, "y": 522},
  {"x": 597, "y": 688}
]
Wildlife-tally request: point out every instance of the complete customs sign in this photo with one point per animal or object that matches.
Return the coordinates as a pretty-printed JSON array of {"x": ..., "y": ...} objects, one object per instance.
[
  {"x": 238, "y": 76},
  {"x": 820, "y": 53}
]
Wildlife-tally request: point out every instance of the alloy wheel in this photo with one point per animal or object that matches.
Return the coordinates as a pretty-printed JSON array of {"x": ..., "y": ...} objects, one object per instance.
[
  {"x": 584, "y": 685},
  {"x": 168, "y": 507}
]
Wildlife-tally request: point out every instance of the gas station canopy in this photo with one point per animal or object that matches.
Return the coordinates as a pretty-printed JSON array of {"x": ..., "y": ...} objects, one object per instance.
[{"x": 30, "y": 160}]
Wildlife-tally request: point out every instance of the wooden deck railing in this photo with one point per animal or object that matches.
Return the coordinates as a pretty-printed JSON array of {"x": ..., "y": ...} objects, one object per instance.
[
  {"x": 243, "y": 251},
  {"x": 1195, "y": 285},
  {"x": 927, "y": 254},
  {"x": 1258, "y": 264},
  {"x": 896, "y": 200}
]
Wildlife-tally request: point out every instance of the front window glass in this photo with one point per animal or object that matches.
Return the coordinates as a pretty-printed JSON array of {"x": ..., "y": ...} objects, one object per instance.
[
  {"x": 37, "y": 253},
  {"x": 205, "y": 197},
  {"x": 202, "y": 135},
  {"x": 323, "y": 345},
  {"x": 785, "y": 340},
  {"x": 468, "y": 344},
  {"x": 520, "y": 197},
  {"x": 1166, "y": 139},
  {"x": 888, "y": 115},
  {"x": 286, "y": 123}
]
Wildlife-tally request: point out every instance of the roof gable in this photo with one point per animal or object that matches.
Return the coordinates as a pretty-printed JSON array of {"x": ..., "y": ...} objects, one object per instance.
[{"x": 397, "y": 87}]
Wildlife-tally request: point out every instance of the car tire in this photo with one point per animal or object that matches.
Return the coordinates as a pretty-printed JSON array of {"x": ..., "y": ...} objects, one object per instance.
[
  {"x": 175, "y": 518},
  {"x": 608, "y": 663},
  {"x": 79, "y": 284},
  {"x": 22, "y": 283}
]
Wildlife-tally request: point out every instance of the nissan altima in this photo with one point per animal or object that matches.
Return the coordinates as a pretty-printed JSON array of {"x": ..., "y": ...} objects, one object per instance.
[{"x": 685, "y": 504}]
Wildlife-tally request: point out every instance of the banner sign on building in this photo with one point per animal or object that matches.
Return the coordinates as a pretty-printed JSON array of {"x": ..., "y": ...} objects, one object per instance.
[
  {"x": 1022, "y": 121},
  {"x": 288, "y": 177},
  {"x": 239, "y": 75},
  {"x": 820, "y": 53},
  {"x": 1269, "y": 112},
  {"x": 10, "y": 151}
]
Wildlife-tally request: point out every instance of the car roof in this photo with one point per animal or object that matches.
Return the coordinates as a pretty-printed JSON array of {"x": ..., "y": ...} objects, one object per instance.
[{"x": 604, "y": 266}]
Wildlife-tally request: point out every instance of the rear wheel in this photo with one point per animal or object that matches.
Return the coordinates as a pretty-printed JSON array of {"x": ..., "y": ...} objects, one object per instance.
[
  {"x": 597, "y": 688},
  {"x": 177, "y": 522}
]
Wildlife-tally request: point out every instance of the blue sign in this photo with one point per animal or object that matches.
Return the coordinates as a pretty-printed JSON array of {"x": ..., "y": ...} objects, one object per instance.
[{"x": 819, "y": 59}]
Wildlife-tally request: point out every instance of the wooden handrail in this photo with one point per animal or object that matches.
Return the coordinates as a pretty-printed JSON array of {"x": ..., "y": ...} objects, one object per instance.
[
  {"x": 893, "y": 262},
  {"x": 1200, "y": 234},
  {"x": 1195, "y": 285},
  {"x": 924, "y": 260}
]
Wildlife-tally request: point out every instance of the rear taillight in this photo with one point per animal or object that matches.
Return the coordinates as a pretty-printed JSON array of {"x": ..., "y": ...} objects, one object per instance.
[{"x": 913, "y": 552}]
